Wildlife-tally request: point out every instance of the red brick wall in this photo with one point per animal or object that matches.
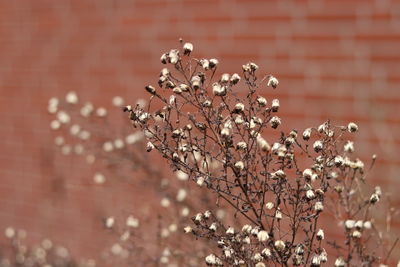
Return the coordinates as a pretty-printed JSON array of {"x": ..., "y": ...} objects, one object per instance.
[{"x": 335, "y": 59}]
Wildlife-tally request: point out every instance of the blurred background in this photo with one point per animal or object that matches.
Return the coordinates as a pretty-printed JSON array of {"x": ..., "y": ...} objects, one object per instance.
[{"x": 337, "y": 60}]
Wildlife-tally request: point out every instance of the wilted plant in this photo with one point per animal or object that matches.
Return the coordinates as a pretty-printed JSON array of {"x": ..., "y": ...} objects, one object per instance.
[{"x": 219, "y": 129}]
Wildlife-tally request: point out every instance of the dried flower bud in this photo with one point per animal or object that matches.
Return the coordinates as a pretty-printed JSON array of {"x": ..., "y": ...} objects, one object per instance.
[
  {"x": 307, "y": 174},
  {"x": 356, "y": 234},
  {"x": 262, "y": 236},
  {"x": 218, "y": 89},
  {"x": 235, "y": 78},
  {"x": 275, "y": 105},
  {"x": 177, "y": 90},
  {"x": 247, "y": 228},
  {"x": 239, "y": 107},
  {"x": 374, "y": 198},
  {"x": 257, "y": 257},
  {"x": 241, "y": 145},
  {"x": 339, "y": 262},
  {"x": 349, "y": 147},
  {"x": 269, "y": 205},
  {"x": 213, "y": 63},
  {"x": 164, "y": 58},
  {"x": 320, "y": 234},
  {"x": 352, "y": 127},
  {"x": 109, "y": 223},
  {"x": 359, "y": 224},
  {"x": 339, "y": 161},
  {"x": 315, "y": 261},
  {"x": 71, "y": 98},
  {"x": 307, "y": 134},
  {"x": 273, "y": 82},
  {"x": 266, "y": 252},
  {"x": 196, "y": 82},
  {"x": 278, "y": 174},
  {"x": 205, "y": 64},
  {"x": 318, "y": 146},
  {"x": 225, "y": 132},
  {"x": 349, "y": 224},
  {"x": 279, "y": 245},
  {"x": 230, "y": 231},
  {"x": 239, "y": 165},
  {"x": 318, "y": 207},
  {"x": 225, "y": 78},
  {"x": 275, "y": 122},
  {"x": 213, "y": 227},
  {"x": 132, "y": 222},
  {"x": 149, "y": 146},
  {"x": 278, "y": 214},
  {"x": 173, "y": 56},
  {"x": 367, "y": 225},
  {"x": 239, "y": 120},
  {"x": 310, "y": 194},
  {"x": 187, "y": 48},
  {"x": 261, "y": 101},
  {"x": 200, "y": 181},
  {"x": 323, "y": 256}
]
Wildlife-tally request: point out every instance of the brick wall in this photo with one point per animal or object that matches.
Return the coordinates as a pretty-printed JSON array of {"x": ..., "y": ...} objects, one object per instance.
[{"x": 335, "y": 59}]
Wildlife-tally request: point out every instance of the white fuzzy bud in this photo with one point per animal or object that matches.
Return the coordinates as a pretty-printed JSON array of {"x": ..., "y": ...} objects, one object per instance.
[
  {"x": 275, "y": 105},
  {"x": 275, "y": 122},
  {"x": 213, "y": 227},
  {"x": 225, "y": 78},
  {"x": 307, "y": 134},
  {"x": 230, "y": 231},
  {"x": 218, "y": 89},
  {"x": 318, "y": 146},
  {"x": 187, "y": 48},
  {"x": 310, "y": 194},
  {"x": 320, "y": 234},
  {"x": 269, "y": 205},
  {"x": 273, "y": 82},
  {"x": 318, "y": 206},
  {"x": 352, "y": 127},
  {"x": 349, "y": 146},
  {"x": 239, "y": 165},
  {"x": 261, "y": 101},
  {"x": 349, "y": 224},
  {"x": 262, "y": 236},
  {"x": 247, "y": 228},
  {"x": 235, "y": 78},
  {"x": 213, "y": 63},
  {"x": 279, "y": 245},
  {"x": 132, "y": 222},
  {"x": 71, "y": 98},
  {"x": 339, "y": 262},
  {"x": 225, "y": 132},
  {"x": 200, "y": 181}
]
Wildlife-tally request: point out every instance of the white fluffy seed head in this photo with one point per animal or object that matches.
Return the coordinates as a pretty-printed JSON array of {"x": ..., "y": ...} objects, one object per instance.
[
  {"x": 262, "y": 236},
  {"x": 352, "y": 127},
  {"x": 273, "y": 82},
  {"x": 71, "y": 98},
  {"x": 279, "y": 245},
  {"x": 187, "y": 48}
]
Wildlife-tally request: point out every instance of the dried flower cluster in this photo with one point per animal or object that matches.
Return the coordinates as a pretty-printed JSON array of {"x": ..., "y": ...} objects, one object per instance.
[
  {"x": 114, "y": 152},
  {"x": 217, "y": 130}
]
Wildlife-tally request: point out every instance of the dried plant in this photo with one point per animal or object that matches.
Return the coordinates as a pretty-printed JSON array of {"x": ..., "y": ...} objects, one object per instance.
[
  {"x": 222, "y": 133},
  {"x": 108, "y": 146}
]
